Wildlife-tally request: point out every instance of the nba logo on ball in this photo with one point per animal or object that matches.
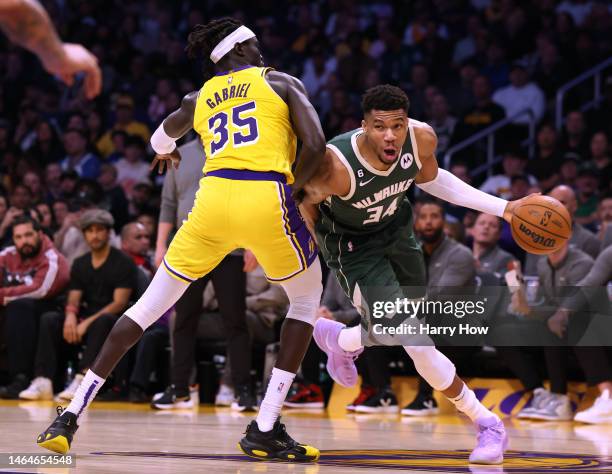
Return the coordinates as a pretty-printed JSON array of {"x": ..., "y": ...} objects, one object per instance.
[
  {"x": 541, "y": 225},
  {"x": 406, "y": 160}
]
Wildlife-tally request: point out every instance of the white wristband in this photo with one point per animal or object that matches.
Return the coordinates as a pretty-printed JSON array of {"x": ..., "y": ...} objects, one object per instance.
[
  {"x": 161, "y": 142},
  {"x": 450, "y": 188}
]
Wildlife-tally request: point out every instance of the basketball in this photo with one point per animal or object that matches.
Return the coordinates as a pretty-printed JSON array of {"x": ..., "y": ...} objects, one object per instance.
[{"x": 541, "y": 225}]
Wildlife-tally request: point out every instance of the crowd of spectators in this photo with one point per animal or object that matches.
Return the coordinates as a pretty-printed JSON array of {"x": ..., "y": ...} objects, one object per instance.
[{"x": 464, "y": 64}]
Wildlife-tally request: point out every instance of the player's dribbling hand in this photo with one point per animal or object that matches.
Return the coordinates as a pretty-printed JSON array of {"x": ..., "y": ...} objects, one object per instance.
[
  {"x": 512, "y": 205},
  {"x": 164, "y": 161}
]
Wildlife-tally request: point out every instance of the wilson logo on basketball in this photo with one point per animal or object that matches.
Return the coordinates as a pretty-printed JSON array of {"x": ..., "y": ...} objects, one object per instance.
[{"x": 537, "y": 238}]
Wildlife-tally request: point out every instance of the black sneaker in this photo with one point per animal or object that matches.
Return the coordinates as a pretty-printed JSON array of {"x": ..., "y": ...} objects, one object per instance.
[
  {"x": 422, "y": 405},
  {"x": 58, "y": 437},
  {"x": 172, "y": 399},
  {"x": 275, "y": 444},
  {"x": 245, "y": 400},
  {"x": 12, "y": 390},
  {"x": 384, "y": 401}
]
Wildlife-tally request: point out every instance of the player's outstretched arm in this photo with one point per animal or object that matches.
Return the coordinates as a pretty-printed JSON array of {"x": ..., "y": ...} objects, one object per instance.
[
  {"x": 306, "y": 124},
  {"x": 26, "y": 23},
  {"x": 173, "y": 127},
  {"x": 444, "y": 185}
]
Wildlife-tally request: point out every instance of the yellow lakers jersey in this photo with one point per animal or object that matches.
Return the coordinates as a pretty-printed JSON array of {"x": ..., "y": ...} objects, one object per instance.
[{"x": 244, "y": 124}]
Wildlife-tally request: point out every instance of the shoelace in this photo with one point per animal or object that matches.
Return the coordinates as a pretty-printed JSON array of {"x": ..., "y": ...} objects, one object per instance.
[{"x": 489, "y": 434}]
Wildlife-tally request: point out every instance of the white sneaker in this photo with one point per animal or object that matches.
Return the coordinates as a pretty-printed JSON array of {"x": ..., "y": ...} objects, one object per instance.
[
  {"x": 41, "y": 388},
  {"x": 70, "y": 390},
  {"x": 555, "y": 407},
  {"x": 600, "y": 412},
  {"x": 225, "y": 396},
  {"x": 539, "y": 399}
]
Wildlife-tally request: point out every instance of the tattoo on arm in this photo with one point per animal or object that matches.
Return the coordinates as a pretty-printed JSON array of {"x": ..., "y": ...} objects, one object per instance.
[{"x": 26, "y": 23}]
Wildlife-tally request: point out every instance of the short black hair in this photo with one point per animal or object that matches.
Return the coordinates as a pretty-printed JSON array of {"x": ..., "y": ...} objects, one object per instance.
[
  {"x": 384, "y": 97},
  {"x": 424, "y": 200},
  {"x": 26, "y": 219}
]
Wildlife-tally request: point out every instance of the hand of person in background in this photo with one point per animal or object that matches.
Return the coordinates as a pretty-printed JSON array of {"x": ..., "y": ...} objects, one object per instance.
[
  {"x": 7, "y": 222},
  {"x": 27, "y": 23},
  {"x": 70, "y": 329},
  {"x": 557, "y": 323},
  {"x": 74, "y": 60},
  {"x": 250, "y": 262}
]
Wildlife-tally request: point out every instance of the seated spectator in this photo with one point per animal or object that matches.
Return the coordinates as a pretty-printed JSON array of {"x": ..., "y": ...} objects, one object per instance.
[
  {"x": 132, "y": 168},
  {"x": 604, "y": 216},
  {"x": 33, "y": 181},
  {"x": 101, "y": 284},
  {"x": 124, "y": 120},
  {"x": 442, "y": 122},
  {"x": 136, "y": 243},
  {"x": 46, "y": 147},
  {"x": 600, "y": 156},
  {"x": 32, "y": 274},
  {"x": 568, "y": 171},
  {"x": 545, "y": 166},
  {"x": 68, "y": 183},
  {"x": 521, "y": 94},
  {"x": 481, "y": 115},
  {"x": 53, "y": 173},
  {"x": 114, "y": 196},
  {"x": 514, "y": 164},
  {"x": 487, "y": 254},
  {"x": 587, "y": 196},
  {"x": 78, "y": 158},
  {"x": 46, "y": 218},
  {"x": 575, "y": 137}
]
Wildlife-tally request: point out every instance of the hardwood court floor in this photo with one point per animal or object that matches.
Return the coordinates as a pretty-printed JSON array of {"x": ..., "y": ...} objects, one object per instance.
[{"x": 124, "y": 438}]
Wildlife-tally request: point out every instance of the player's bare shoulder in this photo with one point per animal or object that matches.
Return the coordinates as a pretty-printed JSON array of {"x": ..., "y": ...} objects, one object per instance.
[
  {"x": 425, "y": 136},
  {"x": 281, "y": 82}
]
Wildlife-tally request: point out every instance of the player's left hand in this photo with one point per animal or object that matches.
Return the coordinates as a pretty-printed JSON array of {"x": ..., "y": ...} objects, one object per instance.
[
  {"x": 250, "y": 262},
  {"x": 512, "y": 205},
  {"x": 173, "y": 158}
]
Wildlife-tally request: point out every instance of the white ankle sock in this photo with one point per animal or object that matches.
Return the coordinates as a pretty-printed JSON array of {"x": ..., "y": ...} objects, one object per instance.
[
  {"x": 349, "y": 339},
  {"x": 85, "y": 394},
  {"x": 271, "y": 405},
  {"x": 467, "y": 403}
]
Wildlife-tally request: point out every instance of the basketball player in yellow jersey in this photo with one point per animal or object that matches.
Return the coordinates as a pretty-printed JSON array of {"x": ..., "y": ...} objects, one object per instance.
[{"x": 248, "y": 117}]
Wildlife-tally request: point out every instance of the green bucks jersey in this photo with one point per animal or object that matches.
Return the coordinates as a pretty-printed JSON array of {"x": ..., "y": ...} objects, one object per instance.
[{"x": 375, "y": 196}]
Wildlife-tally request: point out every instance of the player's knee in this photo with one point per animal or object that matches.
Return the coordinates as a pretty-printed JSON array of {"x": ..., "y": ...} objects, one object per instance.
[{"x": 304, "y": 308}]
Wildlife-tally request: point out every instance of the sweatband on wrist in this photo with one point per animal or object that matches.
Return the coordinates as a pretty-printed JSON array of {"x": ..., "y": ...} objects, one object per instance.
[
  {"x": 448, "y": 187},
  {"x": 224, "y": 46},
  {"x": 161, "y": 142}
]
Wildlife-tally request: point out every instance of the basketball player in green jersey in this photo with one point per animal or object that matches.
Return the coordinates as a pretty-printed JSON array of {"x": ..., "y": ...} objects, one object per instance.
[{"x": 358, "y": 209}]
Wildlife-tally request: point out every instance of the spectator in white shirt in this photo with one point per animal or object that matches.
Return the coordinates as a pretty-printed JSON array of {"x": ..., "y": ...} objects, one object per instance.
[
  {"x": 132, "y": 168},
  {"x": 521, "y": 94}
]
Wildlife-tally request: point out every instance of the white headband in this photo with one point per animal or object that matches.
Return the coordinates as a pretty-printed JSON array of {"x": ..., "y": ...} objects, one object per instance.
[{"x": 227, "y": 44}]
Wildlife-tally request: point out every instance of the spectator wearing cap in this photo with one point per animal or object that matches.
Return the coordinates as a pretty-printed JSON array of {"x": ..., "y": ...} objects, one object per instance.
[
  {"x": 101, "y": 284},
  {"x": 32, "y": 274},
  {"x": 68, "y": 184},
  {"x": 587, "y": 196},
  {"x": 513, "y": 164},
  {"x": 132, "y": 168},
  {"x": 78, "y": 158},
  {"x": 521, "y": 94},
  {"x": 575, "y": 138},
  {"x": 124, "y": 120}
]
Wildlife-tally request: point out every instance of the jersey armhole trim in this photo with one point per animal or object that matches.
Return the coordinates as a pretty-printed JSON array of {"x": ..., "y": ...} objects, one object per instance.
[
  {"x": 346, "y": 164},
  {"x": 263, "y": 76},
  {"x": 415, "y": 146}
]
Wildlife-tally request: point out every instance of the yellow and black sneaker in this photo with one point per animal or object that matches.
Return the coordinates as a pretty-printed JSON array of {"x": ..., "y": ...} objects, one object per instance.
[
  {"x": 58, "y": 436},
  {"x": 275, "y": 444}
]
